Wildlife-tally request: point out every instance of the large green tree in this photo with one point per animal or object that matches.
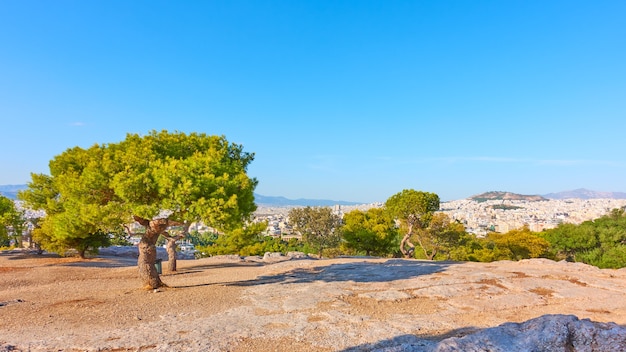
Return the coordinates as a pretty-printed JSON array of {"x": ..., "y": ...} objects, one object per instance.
[
  {"x": 159, "y": 180},
  {"x": 11, "y": 222},
  {"x": 414, "y": 210},
  {"x": 319, "y": 226},
  {"x": 372, "y": 231}
]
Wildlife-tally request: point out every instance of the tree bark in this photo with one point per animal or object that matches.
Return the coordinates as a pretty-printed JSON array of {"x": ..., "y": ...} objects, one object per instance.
[
  {"x": 171, "y": 245},
  {"x": 147, "y": 258},
  {"x": 171, "y": 253},
  {"x": 405, "y": 241},
  {"x": 147, "y": 251}
]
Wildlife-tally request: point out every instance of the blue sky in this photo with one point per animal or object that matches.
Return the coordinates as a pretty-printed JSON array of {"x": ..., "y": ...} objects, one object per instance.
[{"x": 343, "y": 100}]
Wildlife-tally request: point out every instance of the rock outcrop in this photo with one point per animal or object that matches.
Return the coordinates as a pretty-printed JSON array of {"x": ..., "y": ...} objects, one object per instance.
[{"x": 553, "y": 333}]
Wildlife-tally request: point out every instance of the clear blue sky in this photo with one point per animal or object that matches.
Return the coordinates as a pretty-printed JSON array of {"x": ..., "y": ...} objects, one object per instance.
[{"x": 342, "y": 100}]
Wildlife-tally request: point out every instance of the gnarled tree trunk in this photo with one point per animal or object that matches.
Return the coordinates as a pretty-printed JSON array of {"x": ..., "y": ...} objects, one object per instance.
[
  {"x": 171, "y": 246},
  {"x": 146, "y": 262},
  {"x": 147, "y": 251},
  {"x": 408, "y": 252},
  {"x": 171, "y": 252}
]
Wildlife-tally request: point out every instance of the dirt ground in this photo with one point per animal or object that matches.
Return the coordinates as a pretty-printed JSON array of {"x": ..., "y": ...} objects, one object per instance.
[{"x": 49, "y": 303}]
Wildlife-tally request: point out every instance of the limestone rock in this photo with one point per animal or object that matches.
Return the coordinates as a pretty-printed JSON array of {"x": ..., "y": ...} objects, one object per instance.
[{"x": 553, "y": 333}]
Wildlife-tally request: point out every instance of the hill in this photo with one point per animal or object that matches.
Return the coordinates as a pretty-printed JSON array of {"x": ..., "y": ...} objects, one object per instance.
[
  {"x": 583, "y": 193},
  {"x": 496, "y": 195},
  {"x": 10, "y": 191},
  {"x": 282, "y": 201}
]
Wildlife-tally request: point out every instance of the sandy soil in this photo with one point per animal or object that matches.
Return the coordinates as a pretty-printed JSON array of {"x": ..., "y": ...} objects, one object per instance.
[{"x": 49, "y": 303}]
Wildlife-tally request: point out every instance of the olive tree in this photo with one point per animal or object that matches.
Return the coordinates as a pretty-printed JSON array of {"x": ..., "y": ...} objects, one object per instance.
[
  {"x": 413, "y": 209},
  {"x": 158, "y": 181}
]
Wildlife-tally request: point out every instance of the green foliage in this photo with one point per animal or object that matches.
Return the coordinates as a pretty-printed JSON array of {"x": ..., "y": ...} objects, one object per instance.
[
  {"x": 201, "y": 239},
  {"x": 440, "y": 237},
  {"x": 413, "y": 207},
  {"x": 601, "y": 242},
  {"x": 11, "y": 222},
  {"x": 320, "y": 228},
  {"x": 513, "y": 245},
  {"x": 505, "y": 207},
  {"x": 518, "y": 244},
  {"x": 372, "y": 232},
  {"x": 92, "y": 191},
  {"x": 242, "y": 241},
  {"x": 72, "y": 220},
  {"x": 195, "y": 176},
  {"x": 466, "y": 248},
  {"x": 255, "y": 245}
]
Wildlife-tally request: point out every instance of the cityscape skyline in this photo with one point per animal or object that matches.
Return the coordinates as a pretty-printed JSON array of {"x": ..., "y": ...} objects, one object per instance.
[{"x": 351, "y": 101}]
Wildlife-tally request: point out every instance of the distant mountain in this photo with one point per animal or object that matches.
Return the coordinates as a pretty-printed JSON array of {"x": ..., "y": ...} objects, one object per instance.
[
  {"x": 283, "y": 202},
  {"x": 582, "y": 193},
  {"x": 495, "y": 195},
  {"x": 10, "y": 191}
]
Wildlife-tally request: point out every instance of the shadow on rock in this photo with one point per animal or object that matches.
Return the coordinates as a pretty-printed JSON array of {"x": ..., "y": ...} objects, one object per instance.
[
  {"x": 391, "y": 270},
  {"x": 104, "y": 262}
]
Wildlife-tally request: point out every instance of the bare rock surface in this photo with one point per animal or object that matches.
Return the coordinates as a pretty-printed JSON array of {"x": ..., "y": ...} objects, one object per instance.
[{"x": 279, "y": 303}]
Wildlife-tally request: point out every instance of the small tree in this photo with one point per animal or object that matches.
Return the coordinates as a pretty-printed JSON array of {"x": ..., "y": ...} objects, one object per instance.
[
  {"x": 171, "y": 245},
  {"x": 414, "y": 210},
  {"x": 243, "y": 240},
  {"x": 373, "y": 231},
  {"x": 441, "y": 235},
  {"x": 320, "y": 228},
  {"x": 518, "y": 244},
  {"x": 11, "y": 222}
]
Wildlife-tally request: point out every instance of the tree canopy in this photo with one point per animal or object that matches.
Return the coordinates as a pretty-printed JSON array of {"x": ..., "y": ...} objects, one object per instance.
[
  {"x": 600, "y": 242},
  {"x": 319, "y": 226},
  {"x": 11, "y": 222},
  {"x": 159, "y": 180},
  {"x": 440, "y": 237},
  {"x": 414, "y": 210},
  {"x": 372, "y": 231}
]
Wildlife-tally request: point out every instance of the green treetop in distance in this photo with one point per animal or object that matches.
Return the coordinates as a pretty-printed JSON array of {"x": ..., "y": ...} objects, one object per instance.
[
  {"x": 11, "y": 222},
  {"x": 319, "y": 226},
  {"x": 414, "y": 210},
  {"x": 158, "y": 180},
  {"x": 372, "y": 231}
]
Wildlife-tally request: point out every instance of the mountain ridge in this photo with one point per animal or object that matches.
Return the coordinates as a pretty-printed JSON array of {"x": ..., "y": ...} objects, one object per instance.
[
  {"x": 582, "y": 193},
  {"x": 10, "y": 191}
]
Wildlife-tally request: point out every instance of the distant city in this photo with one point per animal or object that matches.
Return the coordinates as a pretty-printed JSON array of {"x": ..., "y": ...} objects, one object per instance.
[{"x": 483, "y": 213}]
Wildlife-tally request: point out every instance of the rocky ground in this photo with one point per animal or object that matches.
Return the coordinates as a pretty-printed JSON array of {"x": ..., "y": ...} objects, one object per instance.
[{"x": 49, "y": 303}]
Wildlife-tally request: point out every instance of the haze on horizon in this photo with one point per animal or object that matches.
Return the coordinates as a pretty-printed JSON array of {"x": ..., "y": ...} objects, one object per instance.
[{"x": 345, "y": 100}]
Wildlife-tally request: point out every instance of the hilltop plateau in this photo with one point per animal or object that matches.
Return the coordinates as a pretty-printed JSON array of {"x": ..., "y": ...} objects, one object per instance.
[
  {"x": 496, "y": 195},
  {"x": 236, "y": 304}
]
